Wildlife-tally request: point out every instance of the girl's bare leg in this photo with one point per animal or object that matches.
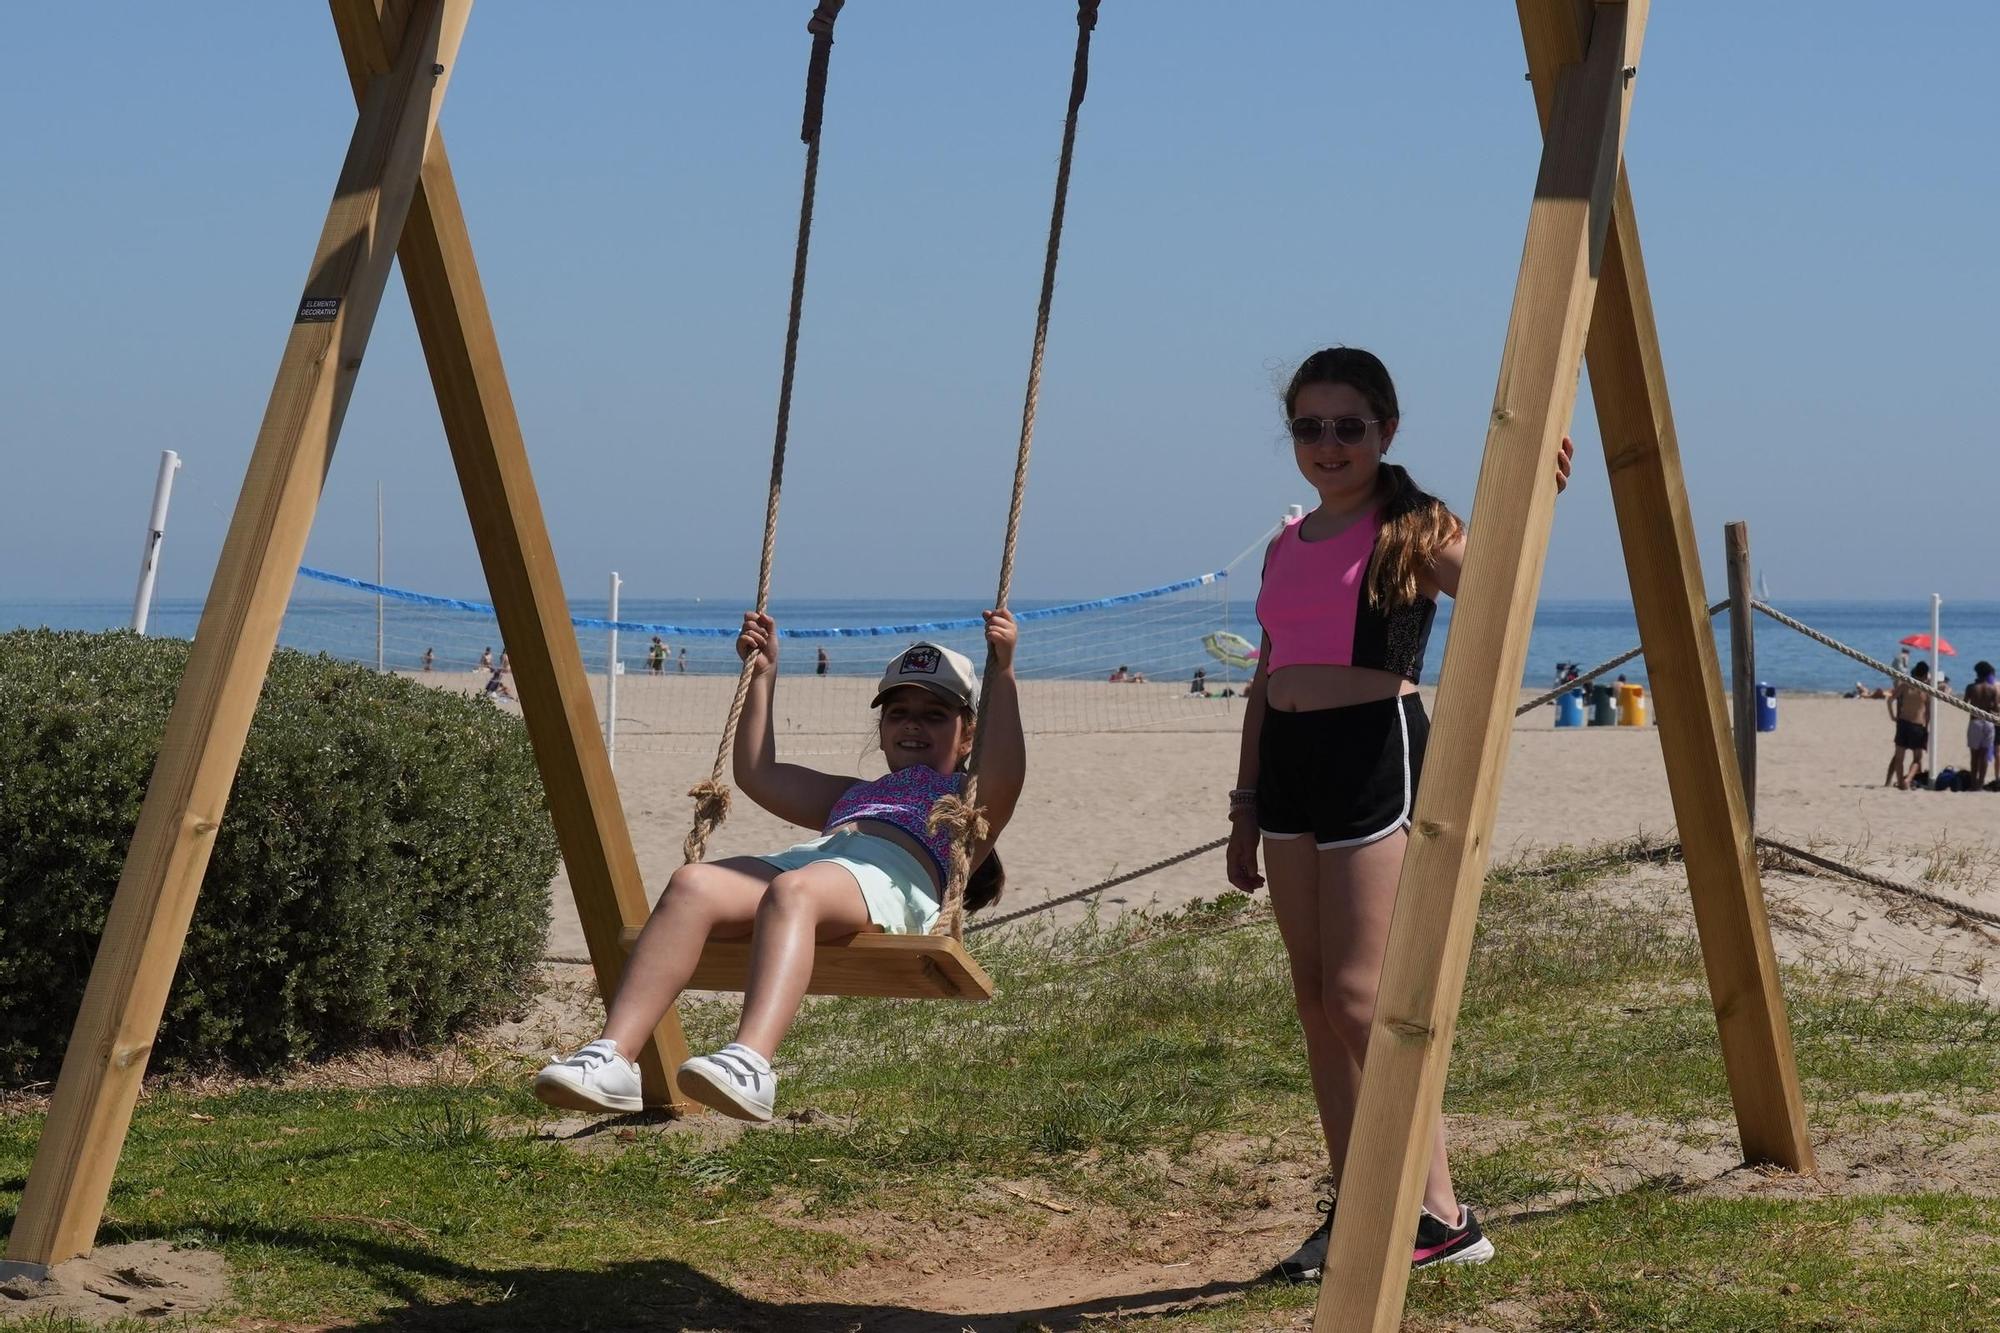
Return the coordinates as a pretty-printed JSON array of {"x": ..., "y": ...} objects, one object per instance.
[
  {"x": 801, "y": 907},
  {"x": 717, "y": 898},
  {"x": 1291, "y": 870},
  {"x": 1357, "y": 898}
]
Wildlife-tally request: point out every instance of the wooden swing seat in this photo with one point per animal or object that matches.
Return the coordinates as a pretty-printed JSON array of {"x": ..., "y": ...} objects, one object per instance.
[{"x": 897, "y": 967}]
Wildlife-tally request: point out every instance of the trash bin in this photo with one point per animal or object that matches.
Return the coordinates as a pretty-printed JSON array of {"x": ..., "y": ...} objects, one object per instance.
[
  {"x": 1569, "y": 708},
  {"x": 1603, "y": 706},
  {"x": 1631, "y": 705},
  {"x": 1767, "y": 707}
]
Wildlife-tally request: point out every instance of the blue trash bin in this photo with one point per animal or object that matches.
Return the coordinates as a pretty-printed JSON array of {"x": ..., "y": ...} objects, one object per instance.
[
  {"x": 1569, "y": 709},
  {"x": 1767, "y": 707}
]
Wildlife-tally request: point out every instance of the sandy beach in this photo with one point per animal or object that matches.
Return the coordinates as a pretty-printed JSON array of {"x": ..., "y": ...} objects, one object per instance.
[{"x": 1121, "y": 776}]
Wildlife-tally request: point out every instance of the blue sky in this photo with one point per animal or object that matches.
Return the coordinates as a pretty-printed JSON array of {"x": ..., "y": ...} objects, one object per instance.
[{"x": 1817, "y": 200}]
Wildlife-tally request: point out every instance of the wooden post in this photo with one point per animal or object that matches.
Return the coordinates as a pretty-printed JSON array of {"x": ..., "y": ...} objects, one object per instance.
[
  {"x": 489, "y": 452},
  {"x": 1430, "y": 940},
  {"x": 148, "y": 920},
  {"x": 1742, "y": 663}
]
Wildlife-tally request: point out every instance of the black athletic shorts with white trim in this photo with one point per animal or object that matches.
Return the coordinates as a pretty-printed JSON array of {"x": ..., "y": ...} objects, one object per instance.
[{"x": 1345, "y": 776}]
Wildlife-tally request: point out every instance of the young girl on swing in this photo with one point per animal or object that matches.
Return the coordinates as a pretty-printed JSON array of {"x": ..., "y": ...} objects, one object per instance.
[
  {"x": 1333, "y": 743},
  {"x": 876, "y": 866}
]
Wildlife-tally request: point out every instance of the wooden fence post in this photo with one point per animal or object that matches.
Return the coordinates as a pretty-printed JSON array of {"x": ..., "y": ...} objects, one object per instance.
[{"x": 1742, "y": 662}]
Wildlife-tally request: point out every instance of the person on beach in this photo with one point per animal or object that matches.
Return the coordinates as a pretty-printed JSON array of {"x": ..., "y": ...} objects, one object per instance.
[
  {"x": 1984, "y": 694},
  {"x": 496, "y": 684},
  {"x": 1333, "y": 745},
  {"x": 1911, "y": 707},
  {"x": 656, "y": 655},
  {"x": 486, "y": 660},
  {"x": 820, "y": 663},
  {"x": 681, "y": 662},
  {"x": 430, "y": 658},
  {"x": 876, "y": 865}
]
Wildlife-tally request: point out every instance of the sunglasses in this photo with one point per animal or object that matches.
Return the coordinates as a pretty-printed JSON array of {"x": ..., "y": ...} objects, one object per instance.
[{"x": 1345, "y": 430}]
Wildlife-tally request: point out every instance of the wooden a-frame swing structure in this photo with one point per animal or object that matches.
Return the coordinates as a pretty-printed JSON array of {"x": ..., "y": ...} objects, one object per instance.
[{"x": 1581, "y": 291}]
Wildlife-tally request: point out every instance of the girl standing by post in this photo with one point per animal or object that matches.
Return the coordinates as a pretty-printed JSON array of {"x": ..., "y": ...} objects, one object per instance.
[{"x": 1333, "y": 744}]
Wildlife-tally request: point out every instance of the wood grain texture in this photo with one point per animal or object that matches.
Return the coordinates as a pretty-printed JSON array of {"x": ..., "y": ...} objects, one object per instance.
[
  {"x": 1663, "y": 563},
  {"x": 897, "y": 967},
  {"x": 1430, "y": 939},
  {"x": 185, "y": 800},
  {"x": 490, "y": 454},
  {"x": 1628, "y": 383}
]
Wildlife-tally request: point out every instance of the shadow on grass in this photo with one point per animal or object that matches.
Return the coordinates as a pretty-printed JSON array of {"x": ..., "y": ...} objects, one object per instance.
[{"x": 658, "y": 1295}]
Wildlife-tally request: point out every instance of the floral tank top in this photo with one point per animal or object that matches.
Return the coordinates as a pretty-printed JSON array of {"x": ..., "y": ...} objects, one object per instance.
[{"x": 903, "y": 800}]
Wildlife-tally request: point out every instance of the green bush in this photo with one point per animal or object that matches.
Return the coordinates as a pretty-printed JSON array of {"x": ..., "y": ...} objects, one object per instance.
[{"x": 381, "y": 874}]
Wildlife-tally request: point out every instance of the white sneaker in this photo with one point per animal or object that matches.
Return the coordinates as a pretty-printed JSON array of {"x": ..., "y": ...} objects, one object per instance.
[
  {"x": 596, "y": 1078},
  {"x": 735, "y": 1081}
]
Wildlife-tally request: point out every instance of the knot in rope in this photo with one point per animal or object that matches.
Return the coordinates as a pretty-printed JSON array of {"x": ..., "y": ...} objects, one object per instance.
[
  {"x": 711, "y": 807},
  {"x": 1086, "y": 14},
  {"x": 964, "y": 821}
]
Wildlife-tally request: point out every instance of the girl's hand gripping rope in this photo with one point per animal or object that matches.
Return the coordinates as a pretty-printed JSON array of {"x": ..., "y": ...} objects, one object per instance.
[
  {"x": 758, "y": 640},
  {"x": 757, "y": 646},
  {"x": 1001, "y": 637}
]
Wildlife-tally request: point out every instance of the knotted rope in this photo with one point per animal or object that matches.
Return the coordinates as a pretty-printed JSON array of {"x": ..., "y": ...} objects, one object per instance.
[
  {"x": 961, "y": 815},
  {"x": 711, "y": 798}
]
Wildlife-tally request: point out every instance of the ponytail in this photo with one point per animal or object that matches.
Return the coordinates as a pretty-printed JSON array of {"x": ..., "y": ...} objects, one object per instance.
[{"x": 1416, "y": 526}]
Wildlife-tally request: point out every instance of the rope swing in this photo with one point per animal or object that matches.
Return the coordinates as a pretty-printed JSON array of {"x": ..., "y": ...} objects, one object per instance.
[
  {"x": 711, "y": 798},
  {"x": 961, "y": 815}
]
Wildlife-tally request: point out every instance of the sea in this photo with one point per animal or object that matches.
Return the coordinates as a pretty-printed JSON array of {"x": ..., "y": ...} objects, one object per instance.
[{"x": 1162, "y": 639}]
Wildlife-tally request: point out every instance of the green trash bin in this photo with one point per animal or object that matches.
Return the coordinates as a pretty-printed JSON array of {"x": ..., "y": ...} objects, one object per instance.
[{"x": 1603, "y": 706}]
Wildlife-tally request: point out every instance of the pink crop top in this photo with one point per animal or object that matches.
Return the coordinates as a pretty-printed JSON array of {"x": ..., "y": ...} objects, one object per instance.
[
  {"x": 902, "y": 800},
  {"x": 1316, "y": 612}
]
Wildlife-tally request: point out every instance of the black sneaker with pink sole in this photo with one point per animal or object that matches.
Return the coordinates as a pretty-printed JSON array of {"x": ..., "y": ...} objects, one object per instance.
[{"x": 1440, "y": 1243}]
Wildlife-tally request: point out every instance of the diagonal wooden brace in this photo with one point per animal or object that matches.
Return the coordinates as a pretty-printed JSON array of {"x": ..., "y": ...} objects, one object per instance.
[
  {"x": 490, "y": 454},
  {"x": 148, "y": 921},
  {"x": 1430, "y": 939},
  {"x": 1628, "y": 382}
]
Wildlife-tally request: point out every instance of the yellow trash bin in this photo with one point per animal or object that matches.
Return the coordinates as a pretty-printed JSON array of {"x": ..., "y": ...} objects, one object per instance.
[{"x": 1631, "y": 705}]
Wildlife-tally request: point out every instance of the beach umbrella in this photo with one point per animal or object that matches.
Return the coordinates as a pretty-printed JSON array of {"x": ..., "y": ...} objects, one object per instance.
[
  {"x": 1231, "y": 649},
  {"x": 1924, "y": 641}
]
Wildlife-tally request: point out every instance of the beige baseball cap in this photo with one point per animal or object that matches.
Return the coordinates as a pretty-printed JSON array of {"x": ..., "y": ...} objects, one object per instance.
[{"x": 938, "y": 669}]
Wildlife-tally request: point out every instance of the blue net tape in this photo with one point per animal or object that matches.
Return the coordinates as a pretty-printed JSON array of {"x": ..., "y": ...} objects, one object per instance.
[{"x": 716, "y": 632}]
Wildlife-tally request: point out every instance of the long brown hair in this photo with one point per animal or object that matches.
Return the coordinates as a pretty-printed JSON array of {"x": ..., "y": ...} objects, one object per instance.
[
  {"x": 987, "y": 880},
  {"x": 1416, "y": 525}
]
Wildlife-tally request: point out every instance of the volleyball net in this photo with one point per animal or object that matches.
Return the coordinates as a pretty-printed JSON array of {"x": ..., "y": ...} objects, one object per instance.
[{"x": 1133, "y": 661}]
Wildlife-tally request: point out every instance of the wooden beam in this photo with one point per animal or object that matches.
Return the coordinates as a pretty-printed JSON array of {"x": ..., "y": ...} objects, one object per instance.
[
  {"x": 1430, "y": 939},
  {"x": 894, "y": 967},
  {"x": 148, "y": 920},
  {"x": 491, "y": 457},
  {"x": 1628, "y": 383},
  {"x": 1742, "y": 664}
]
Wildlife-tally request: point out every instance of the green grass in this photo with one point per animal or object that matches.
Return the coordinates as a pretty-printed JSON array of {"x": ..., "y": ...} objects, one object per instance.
[{"x": 1137, "y": 1072}]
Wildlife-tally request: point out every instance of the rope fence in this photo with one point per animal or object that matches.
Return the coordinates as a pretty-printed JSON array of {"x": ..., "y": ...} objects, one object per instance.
[
  {"x": 1867, "y": 661},
  {"x": 1647, "y": 853}
]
